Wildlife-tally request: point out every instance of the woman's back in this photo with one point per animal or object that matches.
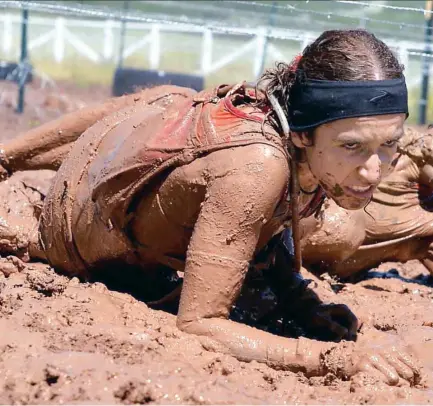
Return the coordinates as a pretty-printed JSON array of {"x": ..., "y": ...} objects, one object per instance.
[{"x": 125, "y": 155}]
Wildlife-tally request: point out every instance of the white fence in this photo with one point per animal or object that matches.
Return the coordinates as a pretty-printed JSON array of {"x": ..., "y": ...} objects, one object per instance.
[{"x": 58, "y": 33}]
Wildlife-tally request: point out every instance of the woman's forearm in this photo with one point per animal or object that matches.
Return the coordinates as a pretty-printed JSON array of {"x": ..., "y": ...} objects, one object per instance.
[{"x": 249, "y": 344}]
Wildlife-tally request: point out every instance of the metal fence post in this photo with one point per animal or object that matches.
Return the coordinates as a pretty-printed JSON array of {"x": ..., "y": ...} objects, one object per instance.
[
  {"x": 423, "y": 101},
  {"x": 122, "y": 34},
  {"x": 23, "y": 71}
]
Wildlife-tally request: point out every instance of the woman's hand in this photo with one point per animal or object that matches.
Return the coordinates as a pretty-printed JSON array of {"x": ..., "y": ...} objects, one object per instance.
[{"x": 381, "y": 355}]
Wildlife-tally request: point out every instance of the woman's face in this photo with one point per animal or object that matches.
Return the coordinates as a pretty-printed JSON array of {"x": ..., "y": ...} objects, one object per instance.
[{"x": 349, "y": 157}]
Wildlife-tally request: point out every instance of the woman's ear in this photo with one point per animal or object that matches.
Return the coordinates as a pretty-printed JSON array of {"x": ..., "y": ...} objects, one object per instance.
[{"x": 300, "y": 140}]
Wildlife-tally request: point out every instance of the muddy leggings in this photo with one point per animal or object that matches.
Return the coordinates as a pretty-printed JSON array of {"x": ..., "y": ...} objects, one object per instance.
[{"x": 46, "y": 146}]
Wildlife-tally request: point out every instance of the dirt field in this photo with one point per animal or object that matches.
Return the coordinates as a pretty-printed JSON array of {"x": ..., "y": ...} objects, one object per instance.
[
  {"x": 64, "y": 341},
  {"x": 43, "y": 102}
]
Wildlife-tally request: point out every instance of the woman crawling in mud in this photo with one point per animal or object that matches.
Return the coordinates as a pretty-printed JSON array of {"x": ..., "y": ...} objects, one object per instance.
[
  {"x": 397, "y": 225},
  {"x": 200, "y": 183}
]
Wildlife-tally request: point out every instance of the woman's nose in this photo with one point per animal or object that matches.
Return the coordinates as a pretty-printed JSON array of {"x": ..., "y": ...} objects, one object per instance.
[{"x": 371, "y": 170}]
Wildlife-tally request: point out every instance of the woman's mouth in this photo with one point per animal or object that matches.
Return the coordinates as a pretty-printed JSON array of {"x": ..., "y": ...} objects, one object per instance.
[{"x": 360, "y": 192}]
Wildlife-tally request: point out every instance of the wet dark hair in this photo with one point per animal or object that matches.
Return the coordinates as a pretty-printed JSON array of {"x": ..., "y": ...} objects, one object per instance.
[{"x": 340, "y": 55}]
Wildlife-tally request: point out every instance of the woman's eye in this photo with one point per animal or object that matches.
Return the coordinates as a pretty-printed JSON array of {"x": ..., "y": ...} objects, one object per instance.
[
  {"x": 390, "y": 143},
  {"x": 351, "y": 145}
]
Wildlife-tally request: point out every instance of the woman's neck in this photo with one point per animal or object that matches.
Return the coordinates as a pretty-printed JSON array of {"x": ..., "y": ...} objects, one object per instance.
[{"x": 307, "y": 181}]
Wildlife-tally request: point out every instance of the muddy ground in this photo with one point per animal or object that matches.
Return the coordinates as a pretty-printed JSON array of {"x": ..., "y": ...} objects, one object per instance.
[
  {"x": 44, "y": 101},
  {"x": 63, "y": 341}
]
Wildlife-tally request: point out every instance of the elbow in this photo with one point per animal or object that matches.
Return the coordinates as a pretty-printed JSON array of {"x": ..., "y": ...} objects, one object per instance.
[
  {"x": 198, "y": 326},
  {"x": 190, "y": 326},
  {"x": 183, "y": 325},
  {"x": 210, "y": 338}
]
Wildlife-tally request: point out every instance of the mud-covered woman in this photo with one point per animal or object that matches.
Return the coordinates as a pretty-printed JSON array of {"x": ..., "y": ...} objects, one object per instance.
[{"x": 206, "y": 183}]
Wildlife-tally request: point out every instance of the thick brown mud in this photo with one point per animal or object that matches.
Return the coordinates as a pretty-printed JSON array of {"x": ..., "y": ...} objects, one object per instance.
[{"x": 68, "y": 342}]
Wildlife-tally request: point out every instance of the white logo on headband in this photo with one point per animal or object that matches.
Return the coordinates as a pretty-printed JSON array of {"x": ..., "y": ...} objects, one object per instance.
[{"x": 383, "y": 93}]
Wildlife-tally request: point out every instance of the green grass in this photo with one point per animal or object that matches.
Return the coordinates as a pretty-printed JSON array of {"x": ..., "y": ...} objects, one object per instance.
[{"x": 81, "y": 72}]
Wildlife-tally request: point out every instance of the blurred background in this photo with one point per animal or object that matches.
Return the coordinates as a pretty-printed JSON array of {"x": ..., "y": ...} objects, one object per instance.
[{"x": 97, "y": 48}]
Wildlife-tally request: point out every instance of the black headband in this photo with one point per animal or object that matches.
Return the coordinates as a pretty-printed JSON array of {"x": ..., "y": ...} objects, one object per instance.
[{"x": 316, "y": 102}]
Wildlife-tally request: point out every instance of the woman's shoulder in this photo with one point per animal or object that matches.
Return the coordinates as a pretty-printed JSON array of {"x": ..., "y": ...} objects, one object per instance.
[{"x": 251, "y": 158}]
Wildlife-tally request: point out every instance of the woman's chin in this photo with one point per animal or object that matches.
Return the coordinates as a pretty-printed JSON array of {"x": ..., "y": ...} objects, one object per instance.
[{"x": 351, "y": 202}]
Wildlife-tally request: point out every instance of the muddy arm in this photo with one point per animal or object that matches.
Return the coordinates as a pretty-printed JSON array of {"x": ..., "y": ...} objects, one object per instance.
[
  {"x": 232, "y": 217},
  {"x": 223, "y": 243}
]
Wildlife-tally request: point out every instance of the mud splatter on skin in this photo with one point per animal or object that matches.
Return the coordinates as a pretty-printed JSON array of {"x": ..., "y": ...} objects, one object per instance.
[
  {"x": 398, "y": 225},
  {"x": 346, "y": 152},
  {"x": 337, "y": 191}
]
